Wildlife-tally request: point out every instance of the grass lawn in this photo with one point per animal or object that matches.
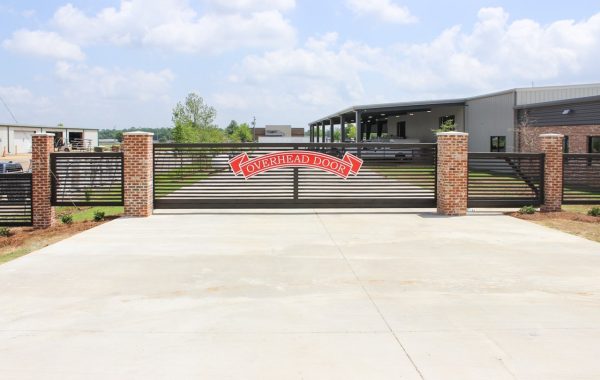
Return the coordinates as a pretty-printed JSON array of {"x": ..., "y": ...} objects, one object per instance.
[
  {"x": 573, "y": 219},
  {"x": 24, "y": 240}
]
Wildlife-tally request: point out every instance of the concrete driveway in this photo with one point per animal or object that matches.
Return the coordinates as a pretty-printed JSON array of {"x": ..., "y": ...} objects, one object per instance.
[{"x": 305, "y": 295}]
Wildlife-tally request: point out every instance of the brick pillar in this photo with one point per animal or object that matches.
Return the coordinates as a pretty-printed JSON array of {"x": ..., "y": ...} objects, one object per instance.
[
  {"x": 452, "y": 173},
  {"x": 552, "y": 147},
  {"x": 43, "y": 212},
  {"x": 138, "y": 181}
]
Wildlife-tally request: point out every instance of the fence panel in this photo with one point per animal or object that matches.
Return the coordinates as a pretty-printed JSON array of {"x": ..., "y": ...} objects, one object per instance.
[
  {"x": 15, "y": 200},
  {"x": 87, "y": 179},
  {"x": 581, "y": 179},
  {"x": 505, "y": 179},
  {"x": 199, "y": 176}
]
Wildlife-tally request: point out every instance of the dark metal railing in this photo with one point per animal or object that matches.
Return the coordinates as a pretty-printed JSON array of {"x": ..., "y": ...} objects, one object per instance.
[
  {"x": 198, "y": 176},
  {"x": 87, "y": 179},
  {"x": 581, "y": 179},
  {"x": 506, "y": 179},
  {"x": 15, "y": 200}
]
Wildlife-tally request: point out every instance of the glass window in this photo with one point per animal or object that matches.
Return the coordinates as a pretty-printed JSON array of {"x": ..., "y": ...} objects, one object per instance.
[
  {"x": 594, "y": 144},
  {"x": 566, "y": 144},
  {"x": 498, "y": 144}
]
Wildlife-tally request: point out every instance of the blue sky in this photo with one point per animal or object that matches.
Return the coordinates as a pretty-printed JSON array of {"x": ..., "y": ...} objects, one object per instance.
[{"x": 120, "y": 64}]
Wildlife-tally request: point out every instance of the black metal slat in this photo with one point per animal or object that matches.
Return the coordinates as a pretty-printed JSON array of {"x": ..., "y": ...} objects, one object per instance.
[
  {"x": 198, "y": 176},
  {"x": 87, "y": 179},
  {"x": 505, "y": 179},
  {"x": 16, "y": 200},
  {"x": 581, "y": 178}
]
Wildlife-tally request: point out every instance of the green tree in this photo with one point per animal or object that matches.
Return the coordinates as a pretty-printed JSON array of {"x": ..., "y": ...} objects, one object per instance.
[
  {"x": 231, "y": 128},
  {"x": 350, "y": 131},
  {"x": 447, "y": 126},
  {"x": 193, "y": 121}
]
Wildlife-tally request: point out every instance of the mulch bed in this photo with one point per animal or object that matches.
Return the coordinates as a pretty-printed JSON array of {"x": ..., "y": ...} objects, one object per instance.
[
  {"x": 564, "y": 215},
  {"x": 21, "y": 236}
]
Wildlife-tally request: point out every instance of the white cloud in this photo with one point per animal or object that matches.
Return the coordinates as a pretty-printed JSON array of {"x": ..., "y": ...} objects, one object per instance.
[
  {"x": 24, "y": 104},
  {"x": 97, "y": 83},
  {"x": 384, "y": 10},
  {"x": 43, "y": 44},
  {"x": 254, "y": 5},
  {"x": 175, "y": 25},
  {"x": 498, "y": 53}
]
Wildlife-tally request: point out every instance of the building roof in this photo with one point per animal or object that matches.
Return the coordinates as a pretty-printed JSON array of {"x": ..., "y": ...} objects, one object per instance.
[
  {"x": 399, "y": 106},
  {"x": 565, "y": 102},
  {"x": 44, "y": 126}
]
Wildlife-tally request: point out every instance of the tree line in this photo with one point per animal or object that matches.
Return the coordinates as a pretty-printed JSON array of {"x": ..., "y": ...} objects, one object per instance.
[{"x": 193, "y": 122}]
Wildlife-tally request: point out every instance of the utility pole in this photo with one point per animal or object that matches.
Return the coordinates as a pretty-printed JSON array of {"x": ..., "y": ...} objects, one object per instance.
[{"x": 254, "y": 129}]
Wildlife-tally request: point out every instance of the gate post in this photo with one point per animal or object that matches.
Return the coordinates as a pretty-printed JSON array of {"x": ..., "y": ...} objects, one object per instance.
[
  {"x": 452, "y": 173},
  {"x": 552, "y": 147},
  {"x": 41, "y": 189},
  {"x": 138, "y": 162}
]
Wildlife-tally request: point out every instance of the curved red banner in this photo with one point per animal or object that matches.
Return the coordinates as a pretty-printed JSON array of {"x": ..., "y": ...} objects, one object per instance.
[{"x": 349, "y": 165}]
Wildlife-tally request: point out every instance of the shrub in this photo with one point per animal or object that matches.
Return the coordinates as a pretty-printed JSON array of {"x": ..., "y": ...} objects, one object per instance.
[
  {"x": 594, "y": 211},
  {"x": 99, "y": 215},
  {"x": 527, "y": 210},
  {"x": 67, "y": 219},
  {"x": 5, "y": 232}
]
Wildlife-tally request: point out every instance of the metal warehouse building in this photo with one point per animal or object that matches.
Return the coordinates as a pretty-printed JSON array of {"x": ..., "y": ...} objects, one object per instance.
[
  {"x": 16, "y": 138},
  {"x": 503, "y": 121}
]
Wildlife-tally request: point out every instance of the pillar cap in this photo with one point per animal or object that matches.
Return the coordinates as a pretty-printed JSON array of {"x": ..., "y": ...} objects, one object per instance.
[
  {"x": 44, "y": 134},
  {"x": 138, "y": 134},
  {"x": 552, "y": 135},
  {"x": 452, "y": 134}
]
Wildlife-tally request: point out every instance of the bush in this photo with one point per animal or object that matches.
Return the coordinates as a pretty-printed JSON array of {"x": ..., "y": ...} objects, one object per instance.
[
  {"x": 99, "y": 215},
  {"x": 67, "y": 219},
  {"x": 595, "y": 211},
  {"x": 527, "y": 210},
  {"x": 5, "y": 232}
]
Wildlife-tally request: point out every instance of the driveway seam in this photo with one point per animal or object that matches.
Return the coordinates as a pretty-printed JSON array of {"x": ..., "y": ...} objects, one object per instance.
[{"x": 389, "y": 327}]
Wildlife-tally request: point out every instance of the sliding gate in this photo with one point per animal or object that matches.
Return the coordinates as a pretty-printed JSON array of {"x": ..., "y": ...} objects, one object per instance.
[{"x": 200, "y": 176}]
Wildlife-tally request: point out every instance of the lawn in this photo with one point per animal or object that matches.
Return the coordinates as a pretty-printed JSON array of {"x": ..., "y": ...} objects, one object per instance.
[{"x": 24, "y": 240}]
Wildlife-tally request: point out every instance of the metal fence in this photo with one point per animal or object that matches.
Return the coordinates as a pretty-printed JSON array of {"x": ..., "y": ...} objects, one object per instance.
[
  {"x": 505, "y": 179},
  {"x": 199, "y": 176},
  {"x": 87, "y": 179},
  {"x": 15, "y": 200},
  {"x": 581, "y": 179}
]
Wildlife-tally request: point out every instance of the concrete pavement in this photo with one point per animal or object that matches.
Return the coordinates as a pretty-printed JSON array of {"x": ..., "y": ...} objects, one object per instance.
[{"x": 332, "y": 294}]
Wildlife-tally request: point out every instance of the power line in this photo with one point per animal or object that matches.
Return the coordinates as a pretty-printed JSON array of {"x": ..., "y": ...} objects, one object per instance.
[{"x": 8, "y": 109}]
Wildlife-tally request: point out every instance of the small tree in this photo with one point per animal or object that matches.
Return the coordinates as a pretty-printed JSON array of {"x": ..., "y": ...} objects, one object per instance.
[
  {"x": 193, "y": 121},
  {"x": 446, "y": 126},
  {"x": 350, "y": 131}
]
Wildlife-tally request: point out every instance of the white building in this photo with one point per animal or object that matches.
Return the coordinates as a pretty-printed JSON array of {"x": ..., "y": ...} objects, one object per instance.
[{"x": 16, "y": 138}]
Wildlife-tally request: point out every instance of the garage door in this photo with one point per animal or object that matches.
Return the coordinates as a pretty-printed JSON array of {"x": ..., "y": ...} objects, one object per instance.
[{"x": 22, "y": 141}]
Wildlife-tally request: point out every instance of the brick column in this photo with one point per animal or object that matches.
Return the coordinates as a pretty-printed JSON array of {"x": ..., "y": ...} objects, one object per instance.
[
  {"x": 43, "y": 212},
  {"x": 452, "y": 173},
  {"x": 137, "y": 166},
  {"x": 552, "y": 147}
]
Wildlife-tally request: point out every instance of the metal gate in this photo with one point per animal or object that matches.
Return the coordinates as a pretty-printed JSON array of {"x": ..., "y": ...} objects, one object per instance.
[
  {"x": 199, "y": 176},
  {"x": 506, "y": 179}
]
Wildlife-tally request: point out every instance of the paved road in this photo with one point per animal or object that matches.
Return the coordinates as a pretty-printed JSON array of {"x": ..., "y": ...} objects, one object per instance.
[{"x": 305, "y": 295}]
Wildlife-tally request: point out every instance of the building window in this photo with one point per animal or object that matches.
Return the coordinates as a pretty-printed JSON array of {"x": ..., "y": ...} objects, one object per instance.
[
  {"x": 447, "y": 118},
  {"x": 594, "y": 144},
  {"x": 498, "y": 144},
  {"x": 566, "y": 144}
]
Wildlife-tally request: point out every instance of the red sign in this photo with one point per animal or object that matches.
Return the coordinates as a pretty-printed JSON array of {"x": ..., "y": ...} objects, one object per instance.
[{"x": 349, "y": 165}]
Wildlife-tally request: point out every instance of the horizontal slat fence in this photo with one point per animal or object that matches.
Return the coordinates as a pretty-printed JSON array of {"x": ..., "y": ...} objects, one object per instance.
[
  {"x": 581, "y": 179},
  {"x": 15, "y": 200},
  {"x": 198, "y": 176},
  {"x": 87, "y": 179},
  {"x": 505, "y": 179}
]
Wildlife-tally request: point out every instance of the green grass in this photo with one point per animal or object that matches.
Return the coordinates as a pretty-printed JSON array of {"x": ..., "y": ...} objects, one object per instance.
[
  {"x": 15, "y": 254},
  {"x": 83, "y": 214}
]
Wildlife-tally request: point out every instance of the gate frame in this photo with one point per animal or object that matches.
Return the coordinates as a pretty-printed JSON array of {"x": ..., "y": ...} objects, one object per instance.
[{"x": 296, "y": 203}]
